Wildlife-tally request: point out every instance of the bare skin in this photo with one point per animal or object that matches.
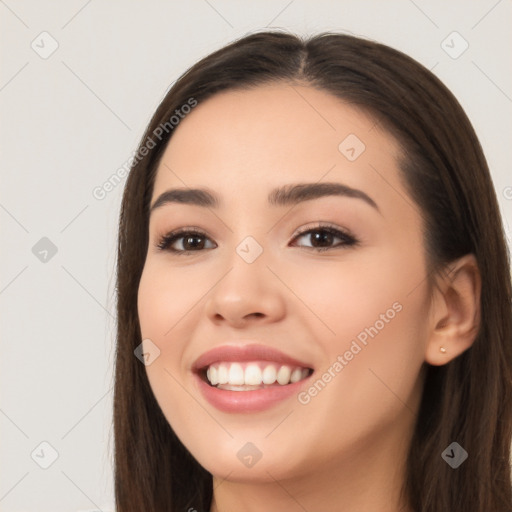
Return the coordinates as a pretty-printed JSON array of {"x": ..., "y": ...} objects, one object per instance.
[{"x": 345, "y": 447}]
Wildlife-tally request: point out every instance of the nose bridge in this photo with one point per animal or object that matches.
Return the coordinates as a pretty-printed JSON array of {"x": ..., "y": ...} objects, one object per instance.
[
  {"x": 249, "y": 236},
  {"x": 248, "y": 274}
]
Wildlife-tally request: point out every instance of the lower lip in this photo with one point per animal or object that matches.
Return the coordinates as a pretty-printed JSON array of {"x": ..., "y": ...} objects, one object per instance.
[{"x": 248, "y": 401}]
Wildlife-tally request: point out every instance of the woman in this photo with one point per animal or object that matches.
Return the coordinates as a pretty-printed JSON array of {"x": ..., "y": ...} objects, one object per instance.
[{"x": 313, "y": 275}]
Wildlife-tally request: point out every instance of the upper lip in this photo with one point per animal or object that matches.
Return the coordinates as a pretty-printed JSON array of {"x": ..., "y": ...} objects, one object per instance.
[{"x": 244, "y": 353}]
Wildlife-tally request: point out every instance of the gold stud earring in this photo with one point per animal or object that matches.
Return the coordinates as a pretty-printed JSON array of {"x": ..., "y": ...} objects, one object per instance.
[{"x": 442, "y": 349}]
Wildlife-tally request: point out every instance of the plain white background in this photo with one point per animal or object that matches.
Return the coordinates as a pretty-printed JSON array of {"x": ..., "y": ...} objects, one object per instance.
[{"x": 72, "y": 118}]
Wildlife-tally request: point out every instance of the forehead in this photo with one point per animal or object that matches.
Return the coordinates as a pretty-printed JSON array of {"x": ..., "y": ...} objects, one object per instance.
[{"x": 274, "y": 134}]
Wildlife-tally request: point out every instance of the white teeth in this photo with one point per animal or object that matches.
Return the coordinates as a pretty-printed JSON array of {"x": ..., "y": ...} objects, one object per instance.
[
  {"x": 269, "y": 374},
  {"x": 236, "y": 374},
  {"x": 296, "y": 375},
  {"x": 253, "y": 374},
  {"x": 211, "y": 374},
  {"x": 283, "y": 375},
  {"x": 223, "y": 374}
]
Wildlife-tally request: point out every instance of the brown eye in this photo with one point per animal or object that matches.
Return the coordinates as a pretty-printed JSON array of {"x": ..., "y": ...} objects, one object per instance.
[
  {"x": 184, "y": 241},
  {"x": 322, "y": 238}
]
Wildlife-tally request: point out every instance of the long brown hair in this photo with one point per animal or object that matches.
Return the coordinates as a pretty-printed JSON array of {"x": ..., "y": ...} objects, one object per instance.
[{"x": 467, "y": 400}]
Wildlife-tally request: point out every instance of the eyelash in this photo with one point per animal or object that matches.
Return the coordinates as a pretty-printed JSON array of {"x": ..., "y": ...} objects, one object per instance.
[{"x": 347, "y": 240}]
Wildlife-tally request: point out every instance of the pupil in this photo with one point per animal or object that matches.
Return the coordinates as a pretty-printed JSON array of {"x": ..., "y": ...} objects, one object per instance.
[
  {"x": 189, "y": 241},
  {"x": 324, "y": 237}
]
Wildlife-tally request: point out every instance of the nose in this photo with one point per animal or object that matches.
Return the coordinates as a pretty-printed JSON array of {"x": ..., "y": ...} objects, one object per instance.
[{"x": 249, "y": 293}]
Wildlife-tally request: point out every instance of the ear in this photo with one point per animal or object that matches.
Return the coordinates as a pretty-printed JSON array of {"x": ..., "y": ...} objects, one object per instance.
[{"x": 455, "y": 312}]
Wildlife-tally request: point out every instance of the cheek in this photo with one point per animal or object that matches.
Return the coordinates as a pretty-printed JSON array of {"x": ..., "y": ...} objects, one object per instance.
[
  {"x": 349, "y": 295},
  {"x": 160, "y": 317},
  {"x": 165, "y": 298},
  {"x": 163, "y": 302},
  {"x": 373, "y": 313},
  {"x": 380, "y": 321}
]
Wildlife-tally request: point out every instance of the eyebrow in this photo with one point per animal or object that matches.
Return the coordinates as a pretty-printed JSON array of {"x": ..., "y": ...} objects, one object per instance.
[{"x": 282, "y": 196}]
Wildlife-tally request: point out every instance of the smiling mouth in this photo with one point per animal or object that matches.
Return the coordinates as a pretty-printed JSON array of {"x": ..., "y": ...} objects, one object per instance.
[{"x": 252, "y": 375}]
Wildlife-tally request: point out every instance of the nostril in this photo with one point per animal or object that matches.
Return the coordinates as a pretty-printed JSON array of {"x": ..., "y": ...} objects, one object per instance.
[{"x": 256, "y": 315}]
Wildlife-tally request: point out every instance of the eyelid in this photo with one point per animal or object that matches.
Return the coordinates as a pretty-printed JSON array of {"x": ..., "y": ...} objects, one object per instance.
[{"x": 322, "y": 225}]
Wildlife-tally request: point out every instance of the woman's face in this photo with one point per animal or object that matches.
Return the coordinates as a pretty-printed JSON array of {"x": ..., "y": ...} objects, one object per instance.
[{"x": 333, "y": 279}]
